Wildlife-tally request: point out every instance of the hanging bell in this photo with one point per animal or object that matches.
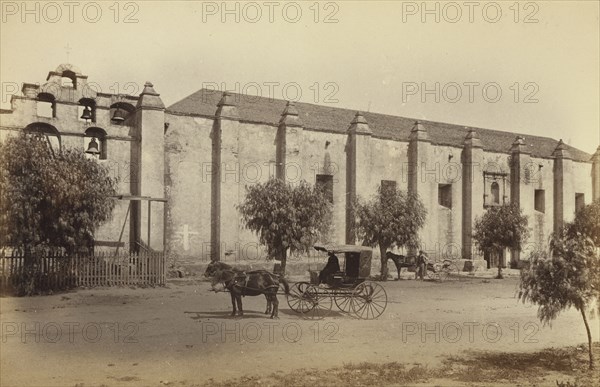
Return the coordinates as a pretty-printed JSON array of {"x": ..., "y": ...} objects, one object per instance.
[
  {"x": 93, "y": 147},
  {"x": 119, "y": 115},
  {"x": 87, "y": 113}
]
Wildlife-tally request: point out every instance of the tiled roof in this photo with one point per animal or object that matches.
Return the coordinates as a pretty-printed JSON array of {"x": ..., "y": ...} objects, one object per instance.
[{"x": 327, "y": 118}]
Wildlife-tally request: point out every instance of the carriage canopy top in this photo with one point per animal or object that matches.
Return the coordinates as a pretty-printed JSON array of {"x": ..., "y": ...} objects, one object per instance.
[
  {"x": 357, "y": 259},
  {"x": 342, "y": 248}
]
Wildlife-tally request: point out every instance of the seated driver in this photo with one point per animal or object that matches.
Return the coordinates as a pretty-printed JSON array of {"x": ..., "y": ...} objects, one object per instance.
[{"x": 332, "y": 266}]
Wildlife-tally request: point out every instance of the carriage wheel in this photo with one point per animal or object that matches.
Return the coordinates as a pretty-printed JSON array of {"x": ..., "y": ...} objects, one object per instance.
[
  {"x": 343, "y": 302},
  {"x": 433, "y": 273},
  {"x": 369, "y": 300},
  {"x": 449, "y": 271},
  {"x": 295, "y": 298},
  {"x": 316, "y": 303}
]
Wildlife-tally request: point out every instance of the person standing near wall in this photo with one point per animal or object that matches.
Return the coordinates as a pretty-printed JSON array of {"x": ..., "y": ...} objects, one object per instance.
[{"x": 421, "y": 265}]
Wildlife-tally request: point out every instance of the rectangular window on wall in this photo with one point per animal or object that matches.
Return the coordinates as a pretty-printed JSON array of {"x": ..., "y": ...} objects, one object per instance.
[
  {"x": 45, "y": 109},
  {"x": 540, "y": 200},
  {"x": 579, "y": 201},
  {"x": 445, "y": 195},
  {"x": 388, "y": 186},
  {"x": 325, "y": 184}
]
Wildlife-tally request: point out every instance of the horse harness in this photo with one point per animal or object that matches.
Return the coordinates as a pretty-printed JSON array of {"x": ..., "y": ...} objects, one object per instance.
[{"x": 243, "y": 277}]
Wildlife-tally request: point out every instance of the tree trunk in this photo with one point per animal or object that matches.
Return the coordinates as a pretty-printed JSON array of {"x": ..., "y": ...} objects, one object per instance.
[
  {"x": 384, "y": 268},
  {"x": 283, "y": 261},
  {"x": 589, "y": 335},
  {"x": 499, "y": 276},
  {"x": 27, "y": 258},
  {"x": 26, "y": 286}
]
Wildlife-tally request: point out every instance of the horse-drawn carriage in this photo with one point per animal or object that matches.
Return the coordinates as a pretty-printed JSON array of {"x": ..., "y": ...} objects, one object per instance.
[
  {"x": 436, "y": 270},
  {"x": 347, "y": 288}
]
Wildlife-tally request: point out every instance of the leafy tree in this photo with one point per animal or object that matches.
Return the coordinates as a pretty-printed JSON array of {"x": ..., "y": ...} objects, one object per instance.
[
  {"x": 286, "y": 217},
  {"x": 391, "y": 218},
  {"x": 50, "y": 199},
  {"x": 566, "y": 276},
  {"x": 587, "y": 222},
  {"x": 500, "y": 228}
]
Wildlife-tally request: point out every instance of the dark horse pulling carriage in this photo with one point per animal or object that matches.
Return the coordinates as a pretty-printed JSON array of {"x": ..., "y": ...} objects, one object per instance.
[
  {"x": 247, "y": 283},
  {"x": 435, "y": 270},
  {"x": 348, "y": 289}
]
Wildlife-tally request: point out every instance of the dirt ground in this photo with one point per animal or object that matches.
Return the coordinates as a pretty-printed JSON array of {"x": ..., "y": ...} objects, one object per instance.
[{"x": 182, "y": 335}]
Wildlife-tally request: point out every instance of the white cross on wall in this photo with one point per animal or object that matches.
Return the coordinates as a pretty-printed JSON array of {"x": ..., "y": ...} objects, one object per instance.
[{"x": 186, "y": 233}]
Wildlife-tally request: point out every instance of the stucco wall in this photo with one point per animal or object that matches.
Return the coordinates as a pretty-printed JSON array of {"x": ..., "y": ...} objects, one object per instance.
[
  {"x": 188, "y": 186},
  {"x": 581, "y": 183},
  {"x": 388, "y": 162},
  {"x": 250, "y": 163},
  {"x": 540, "y": 222},
  {"x": 331, "y": 161}
]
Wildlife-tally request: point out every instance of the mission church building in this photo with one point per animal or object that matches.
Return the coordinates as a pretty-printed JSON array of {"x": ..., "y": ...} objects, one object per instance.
[{"x": 183, "y": 169}]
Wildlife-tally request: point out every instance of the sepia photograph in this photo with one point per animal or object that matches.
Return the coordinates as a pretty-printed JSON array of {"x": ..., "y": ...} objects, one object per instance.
[{"x": 299, "y": 193}]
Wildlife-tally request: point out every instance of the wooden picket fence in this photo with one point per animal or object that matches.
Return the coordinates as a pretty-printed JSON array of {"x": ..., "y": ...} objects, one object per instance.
[{"x": 60, "y": 271}]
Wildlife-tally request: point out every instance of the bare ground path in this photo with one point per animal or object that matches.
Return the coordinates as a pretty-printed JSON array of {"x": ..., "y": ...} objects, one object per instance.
[{"x": 182, "y": 334}]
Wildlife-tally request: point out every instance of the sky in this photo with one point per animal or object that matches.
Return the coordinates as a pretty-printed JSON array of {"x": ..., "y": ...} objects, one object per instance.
[{"x": 528, "y": 67}]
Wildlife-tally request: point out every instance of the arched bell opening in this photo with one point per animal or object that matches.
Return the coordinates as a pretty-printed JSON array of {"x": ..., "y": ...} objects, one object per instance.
[
  {"x": 87, "y": 110},
  {"x": 95, "y": 144},
  {"x": 121, "y": 113},
  {"x": 46, "y": 105},
  {"x": 69, "y": 79},
  {"x": 50, "y": 133}
]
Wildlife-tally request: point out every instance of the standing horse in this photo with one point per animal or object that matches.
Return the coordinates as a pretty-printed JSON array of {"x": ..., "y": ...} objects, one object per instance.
[
  {"x": 212, "y": 268},
  {"x": 252, "y": 283},
  {"x": 400, "y": 261},
  {"x": 215, "y": 266}
]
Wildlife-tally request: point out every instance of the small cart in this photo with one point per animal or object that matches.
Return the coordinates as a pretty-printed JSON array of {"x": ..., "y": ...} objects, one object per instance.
[{"x": 348, "y": 288}]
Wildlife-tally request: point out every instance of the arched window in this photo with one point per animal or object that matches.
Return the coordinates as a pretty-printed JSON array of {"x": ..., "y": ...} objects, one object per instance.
[
  {"x": 69, "y": 79},
  {"x": 46, "y": 105},
  {"x": 49, "y": 131},
  {"x": 87, "y": 110},
  {"x": 95, "y": 143},
  {"x": 495, "y": 190}
]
